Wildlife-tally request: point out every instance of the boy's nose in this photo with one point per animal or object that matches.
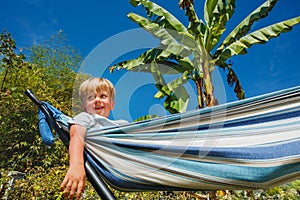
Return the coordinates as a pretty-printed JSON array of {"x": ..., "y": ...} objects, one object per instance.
[{"x": 97, "y": 98}]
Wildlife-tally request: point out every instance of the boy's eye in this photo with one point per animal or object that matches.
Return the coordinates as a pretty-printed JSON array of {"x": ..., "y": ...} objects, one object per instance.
[
  {"x": 103, "y": 96},
  {"x": 90, "y": 98}
]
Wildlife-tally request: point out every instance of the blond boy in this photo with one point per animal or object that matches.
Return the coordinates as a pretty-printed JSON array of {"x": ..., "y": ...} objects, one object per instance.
[{"x": 97, "y": 97}]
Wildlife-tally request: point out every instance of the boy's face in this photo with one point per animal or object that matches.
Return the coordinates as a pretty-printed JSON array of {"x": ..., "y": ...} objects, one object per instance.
[{"x": 99, "y": 103}]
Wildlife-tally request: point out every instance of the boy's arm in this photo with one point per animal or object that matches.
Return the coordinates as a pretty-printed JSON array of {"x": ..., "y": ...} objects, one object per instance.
[{"x": 74, "y": 180}]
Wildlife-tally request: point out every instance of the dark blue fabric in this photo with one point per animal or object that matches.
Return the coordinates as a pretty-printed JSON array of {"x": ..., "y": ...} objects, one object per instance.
[
  {"x": 44, "y": 127},
  {"x": 45, "y": 130},
  {"x": 271, "y": 151},
  {"x": 54, "y": 111}
]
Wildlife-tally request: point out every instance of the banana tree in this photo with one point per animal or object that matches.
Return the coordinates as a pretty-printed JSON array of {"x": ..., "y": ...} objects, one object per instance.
[{"x": 194, "y": 51}]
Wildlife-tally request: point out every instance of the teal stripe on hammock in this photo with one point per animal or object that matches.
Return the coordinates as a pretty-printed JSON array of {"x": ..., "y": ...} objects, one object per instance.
[
  {"x": 241, "y": 153},
  {"x": 192, "y": 169}
]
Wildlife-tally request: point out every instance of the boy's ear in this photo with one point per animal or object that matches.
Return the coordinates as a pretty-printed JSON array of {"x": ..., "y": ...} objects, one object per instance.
[{"x": 112, "y": 105}]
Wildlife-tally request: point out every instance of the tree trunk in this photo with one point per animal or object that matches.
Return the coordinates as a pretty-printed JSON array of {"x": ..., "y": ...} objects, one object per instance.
[
  {"x": 199, "y": 92},
  {"x": 209, "y": 96}
]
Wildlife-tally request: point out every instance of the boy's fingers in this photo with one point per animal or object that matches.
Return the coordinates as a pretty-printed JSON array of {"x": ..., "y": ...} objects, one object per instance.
[
  {"x": 72, "y": 190},
  {"x": 63, "y": 184},
  {"x": 80, "y": 189},
  {"x": 70, "y": 187}
]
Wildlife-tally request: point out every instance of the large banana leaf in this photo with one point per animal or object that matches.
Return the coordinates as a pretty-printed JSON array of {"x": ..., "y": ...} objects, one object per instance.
[
  {"x": 244, "y": 27},
  {"x": 165, "y": 18},
  {"x": 173, "y": 42},
  {"x": 260, "y": 36},
  {"x": 177, "y": 97},
  {"x": 210, "y": 6},
  {"x": 196, "y": 26},
  {"x": 175, "y": 45},
  {"x": 239, "y": 47},
  {"x": 154, "y": 28},
  {"x": 216, "y": 14},
  {"x": 178, "y": 101},
  {"x": 174, "y": 84},
  {"x": 141, "y": 63}
]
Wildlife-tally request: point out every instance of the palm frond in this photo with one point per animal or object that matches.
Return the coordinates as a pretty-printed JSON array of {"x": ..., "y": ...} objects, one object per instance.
[
  {"x": 244, "y": 27},
  {"x": 174, "y": 84},
  {"x": 260, "y": 36},
  {"x": 170, "y": 43},
  {"x": 165, "y": 18},
  {"x": 218, "y": 16}
]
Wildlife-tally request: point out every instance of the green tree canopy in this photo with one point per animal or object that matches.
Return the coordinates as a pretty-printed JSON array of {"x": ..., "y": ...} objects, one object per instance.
[
  {"x": 193, "y": 51},
  {"x": 50, "y": 73}
]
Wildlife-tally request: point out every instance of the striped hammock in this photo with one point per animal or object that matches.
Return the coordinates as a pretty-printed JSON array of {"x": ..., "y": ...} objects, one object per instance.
[{"x": 248, "y": 144}]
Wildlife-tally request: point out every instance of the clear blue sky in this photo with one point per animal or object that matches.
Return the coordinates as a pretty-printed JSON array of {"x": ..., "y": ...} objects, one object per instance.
[{"x": 97, "y": 28}]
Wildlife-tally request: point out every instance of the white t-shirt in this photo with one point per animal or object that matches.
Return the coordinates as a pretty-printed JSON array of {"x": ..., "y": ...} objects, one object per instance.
[{"x": 90, "y": 121}]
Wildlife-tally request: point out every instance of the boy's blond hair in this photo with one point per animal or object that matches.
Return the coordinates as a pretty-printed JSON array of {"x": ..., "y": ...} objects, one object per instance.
[{"x": 96, "y": 85}]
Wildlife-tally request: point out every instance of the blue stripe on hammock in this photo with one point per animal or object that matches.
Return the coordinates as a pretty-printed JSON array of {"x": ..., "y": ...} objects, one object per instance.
[
  {"x": 122, "y": 184},
  {"x": 254, "y": 153},
  {"x": 215, "y": 170},
  {"x": 270, "y": 117}
]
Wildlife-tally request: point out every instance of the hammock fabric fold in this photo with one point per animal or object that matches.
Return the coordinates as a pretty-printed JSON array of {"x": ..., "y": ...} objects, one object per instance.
[{"x": 248, "y": 144}]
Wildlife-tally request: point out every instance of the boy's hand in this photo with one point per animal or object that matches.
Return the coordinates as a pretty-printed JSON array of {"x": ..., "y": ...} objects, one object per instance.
[{"x": 74, "y": 182}]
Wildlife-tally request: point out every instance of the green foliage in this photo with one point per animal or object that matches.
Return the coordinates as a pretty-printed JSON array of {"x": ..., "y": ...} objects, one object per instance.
[
  {"x": 44, "y": 183},
  {"x": 287, "y": 191},
  {"x": 192, "y": 51},
  {"x": 40, "y": 183},
  {"x": 260, "y": 36},
  {"x": 51, "y": 79},
  {"x": 146, "y": 117},
  {"x": 11, "y": 62},
  {"x": 57, "y": 63}
]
